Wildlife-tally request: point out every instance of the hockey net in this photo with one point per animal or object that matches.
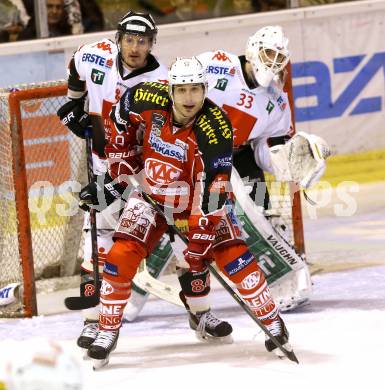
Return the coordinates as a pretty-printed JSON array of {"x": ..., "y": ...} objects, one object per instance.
[{"x": 42, "y": 165}]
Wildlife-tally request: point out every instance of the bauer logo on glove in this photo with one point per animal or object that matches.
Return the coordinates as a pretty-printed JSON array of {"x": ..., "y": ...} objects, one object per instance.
[{"x": 73, "y": 115}]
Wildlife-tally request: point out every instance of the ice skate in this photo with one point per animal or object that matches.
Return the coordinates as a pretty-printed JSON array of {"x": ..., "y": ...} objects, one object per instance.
[
  {"x": 209, "y": 328},
  {"x": 88, "y": 335},
  {"x": 100, "y": 349},
  {"x": 278, "y": 329}
]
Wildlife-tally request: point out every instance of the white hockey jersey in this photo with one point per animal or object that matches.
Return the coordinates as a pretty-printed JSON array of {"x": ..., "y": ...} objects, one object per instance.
[
  {"x": 95, "y": 67},
  {"x": 255, "y": 113},
  {"x": 105, "y": 79}
]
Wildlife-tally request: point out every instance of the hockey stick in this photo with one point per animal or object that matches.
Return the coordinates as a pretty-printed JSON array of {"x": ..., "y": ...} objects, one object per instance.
[
  {"x": 289, "y": 354},
  {"x": 147, "y": 282},
  {"x": 79, "y": 303}
]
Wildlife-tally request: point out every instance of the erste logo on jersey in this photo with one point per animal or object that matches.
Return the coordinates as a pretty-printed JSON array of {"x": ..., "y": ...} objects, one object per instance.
[
  {"x": 222, "y": 70},
  {"x": 166, "y": 149},
  {"x": 281, "y": 103},
  {"x": 97, "y": 60},
  {"x": 161, "y": 172}
]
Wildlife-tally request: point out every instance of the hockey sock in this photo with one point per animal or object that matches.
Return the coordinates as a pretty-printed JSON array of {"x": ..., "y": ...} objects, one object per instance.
[
  {"x": 241, "y": 267},
  {"x": 195, "y": 289},
  {"x": 119, "y": 270}
]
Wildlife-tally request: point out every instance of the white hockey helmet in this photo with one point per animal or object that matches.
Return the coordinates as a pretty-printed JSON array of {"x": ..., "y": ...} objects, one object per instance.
[
  {"x": 187, "y": 71},
  {"x": 268, "y": 53},
  {"x": 43, "y": 365}
]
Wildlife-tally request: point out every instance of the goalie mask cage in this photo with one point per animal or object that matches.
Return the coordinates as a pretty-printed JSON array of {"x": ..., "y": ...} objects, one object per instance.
[{"x": 41, "y": 166}]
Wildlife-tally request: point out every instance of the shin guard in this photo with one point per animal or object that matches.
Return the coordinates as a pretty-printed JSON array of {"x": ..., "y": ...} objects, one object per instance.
[
  {"x": 240, "y": 266},
  {"x": 119, "y": 270}
]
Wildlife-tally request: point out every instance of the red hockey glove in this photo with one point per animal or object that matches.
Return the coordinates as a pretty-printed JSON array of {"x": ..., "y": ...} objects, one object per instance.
[{"x": 199, "y": 248}]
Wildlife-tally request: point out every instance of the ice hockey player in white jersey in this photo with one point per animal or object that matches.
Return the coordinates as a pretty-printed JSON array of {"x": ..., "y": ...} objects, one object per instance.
[
  {"x": 98, "y": 75},
  {"x": 250, "y": 90}
]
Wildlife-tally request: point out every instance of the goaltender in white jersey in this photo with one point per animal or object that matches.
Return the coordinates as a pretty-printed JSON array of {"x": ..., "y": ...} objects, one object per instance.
[
  {"x": 98, "y": 75},
  {"x": 250, "y": 90}
]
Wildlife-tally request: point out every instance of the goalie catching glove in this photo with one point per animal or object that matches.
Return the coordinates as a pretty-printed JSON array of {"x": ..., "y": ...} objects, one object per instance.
[
  {"x": 302, "y": 159},
  {"x": 73, "y": 115}
]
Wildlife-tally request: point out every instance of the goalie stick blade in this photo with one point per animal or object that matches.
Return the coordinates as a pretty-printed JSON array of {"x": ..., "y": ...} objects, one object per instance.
[
  {"x": 80, "y": 303},
  {"x": 157, "y": 288}
]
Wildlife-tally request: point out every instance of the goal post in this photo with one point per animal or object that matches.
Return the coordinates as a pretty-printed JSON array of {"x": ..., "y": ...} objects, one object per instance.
[
  {"x": 41, "y": 164},
  {"x": 297, "y": 219}
]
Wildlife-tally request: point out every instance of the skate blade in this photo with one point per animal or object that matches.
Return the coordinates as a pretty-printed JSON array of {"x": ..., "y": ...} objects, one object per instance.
[
  {"x": 206, "y": 338},
  {"x": 280, "y": 354},
  {"x": 97, "y": 364}
]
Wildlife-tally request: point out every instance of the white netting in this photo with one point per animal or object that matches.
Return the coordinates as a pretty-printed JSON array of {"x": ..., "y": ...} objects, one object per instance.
[{"x": 55, "y": 164}]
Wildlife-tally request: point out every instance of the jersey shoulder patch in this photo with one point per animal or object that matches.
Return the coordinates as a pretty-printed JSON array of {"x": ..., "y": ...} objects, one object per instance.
[
  {"x": 102, "y": 54},
  {"x": 212, "y": 125},
  {"x": 149, "y": 96}
]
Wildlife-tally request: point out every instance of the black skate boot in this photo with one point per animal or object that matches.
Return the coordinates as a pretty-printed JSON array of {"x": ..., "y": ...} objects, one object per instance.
[
  {"x": 100, "y": 349},
  {"x": 278, "y": 329},
  {"x": 210, "y": 328},
  {"x": 88, "y": 335},
  {"x": 207, "y": 327}
]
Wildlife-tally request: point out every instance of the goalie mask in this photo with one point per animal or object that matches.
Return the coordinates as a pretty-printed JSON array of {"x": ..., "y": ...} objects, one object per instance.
[
  {"x": 267, "y": 51},
  {"x": 187, "y": 71}
]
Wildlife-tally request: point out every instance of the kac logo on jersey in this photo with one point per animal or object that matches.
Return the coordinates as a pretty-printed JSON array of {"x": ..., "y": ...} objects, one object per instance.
[
  {"x": 97, "y": 60},
  {"x": 161, "y": 172},
  {"x": 165, "y": 148},
  {"x": 221, "y": 84},
  {"x": 97, "y": 76},
  {"x": 221, "y": 70}
]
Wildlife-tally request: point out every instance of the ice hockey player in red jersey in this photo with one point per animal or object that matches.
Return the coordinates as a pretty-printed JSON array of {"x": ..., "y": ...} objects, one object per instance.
[
  {"x": 98, "y": 75},
  {"x": 181, "y": 143}
]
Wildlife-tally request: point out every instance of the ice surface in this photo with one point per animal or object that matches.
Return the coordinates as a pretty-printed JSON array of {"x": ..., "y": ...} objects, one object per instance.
[{"x": 338, "y": 339}]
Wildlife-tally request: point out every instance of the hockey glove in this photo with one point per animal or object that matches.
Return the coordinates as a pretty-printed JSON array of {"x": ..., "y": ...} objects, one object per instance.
[
  {"x": 73, "y": 116},
  {"x": 199, "y": 248},
  {"x": 99, "y": 195}
]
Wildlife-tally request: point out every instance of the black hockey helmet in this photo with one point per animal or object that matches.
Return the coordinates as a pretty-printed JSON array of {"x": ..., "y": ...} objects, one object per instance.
[{"x": 137, "y": 23}]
